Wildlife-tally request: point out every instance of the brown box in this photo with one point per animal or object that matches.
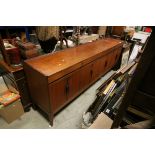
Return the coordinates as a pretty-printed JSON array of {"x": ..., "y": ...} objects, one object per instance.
[
  {"x": 12, "y": 111},
  {"x": 102, "y": 122},
  {"x": 31, "y": 53}
]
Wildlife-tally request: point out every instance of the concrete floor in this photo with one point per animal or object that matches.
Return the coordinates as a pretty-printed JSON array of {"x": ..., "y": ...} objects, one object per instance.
[{"x": 69, "y": 118}]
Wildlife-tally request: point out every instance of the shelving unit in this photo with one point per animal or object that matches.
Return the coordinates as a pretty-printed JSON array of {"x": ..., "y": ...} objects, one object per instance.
[
  {"x": 6, "y": 30},
  {"x": 144, "y": 77}
]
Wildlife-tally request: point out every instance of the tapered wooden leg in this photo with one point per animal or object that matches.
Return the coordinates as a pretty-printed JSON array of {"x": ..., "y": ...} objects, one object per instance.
[
  {"x": 51, "y": 119},
  {"x": 27, "y": 109},
  {"x": 34, "y": 106}
]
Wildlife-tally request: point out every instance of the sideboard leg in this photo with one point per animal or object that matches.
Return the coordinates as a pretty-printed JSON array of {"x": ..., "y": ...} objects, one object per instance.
[
  {"x": 34, "y": 106},
  {"x": 51, "y": 119}
]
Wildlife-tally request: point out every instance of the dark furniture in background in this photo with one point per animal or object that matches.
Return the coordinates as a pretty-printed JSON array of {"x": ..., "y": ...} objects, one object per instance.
[
  {"x": 14, "y": 79},
  {"x": 141, "y": 90},
  {"x": 9, "y": 31},
  {"x": 56, "y": 79},
  {"x": 115, "y": 31},
  {"x": 3, "y": 52},
  {"x": 118, "y": 30}
]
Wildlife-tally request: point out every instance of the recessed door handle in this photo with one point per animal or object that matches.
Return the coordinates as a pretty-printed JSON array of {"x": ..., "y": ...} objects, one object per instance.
[
  {"x": 105, "y": 65},
  {"x": 67, "y": 88},
  {"x": 116, "y": 57},
  {"x": 91, "y": 73}
]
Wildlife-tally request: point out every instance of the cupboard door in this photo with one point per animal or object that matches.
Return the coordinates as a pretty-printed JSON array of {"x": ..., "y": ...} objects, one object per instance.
[
  {"x": 96, "y": 69},
  {"x": 58, "y": 95},
  {"x": 118, "y": 52},
  {"x": 73, "y": 85},
  {"x": 104, "y": 65},
  {"x": 112, "y": 59},
  {"x": 85, "y": 76},
  {"x": 115, "y": 56}
]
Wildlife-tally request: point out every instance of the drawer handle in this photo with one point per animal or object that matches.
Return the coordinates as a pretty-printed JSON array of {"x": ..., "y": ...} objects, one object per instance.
[
  {"x": 91, "y": 73},
  {"x": 67, "y": 88},
  {"x": 105, "y": 65},
  {"x": 116, "y": 57}
]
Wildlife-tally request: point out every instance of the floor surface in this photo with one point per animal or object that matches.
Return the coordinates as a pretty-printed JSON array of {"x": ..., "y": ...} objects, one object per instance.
[{"x": 69, "y": 118}]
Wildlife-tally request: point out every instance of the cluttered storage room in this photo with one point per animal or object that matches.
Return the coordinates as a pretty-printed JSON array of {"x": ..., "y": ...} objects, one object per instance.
[{"x": 77, "y": 77}]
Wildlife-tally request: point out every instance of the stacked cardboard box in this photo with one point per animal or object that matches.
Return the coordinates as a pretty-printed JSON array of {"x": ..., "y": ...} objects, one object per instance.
[{"x": 10, "y": 106}]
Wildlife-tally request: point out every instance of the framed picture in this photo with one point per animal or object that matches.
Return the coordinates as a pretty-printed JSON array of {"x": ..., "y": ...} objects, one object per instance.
[{"x": 125, "y": 58}]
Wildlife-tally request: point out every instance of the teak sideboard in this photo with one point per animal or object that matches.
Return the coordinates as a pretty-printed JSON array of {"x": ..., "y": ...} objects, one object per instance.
[{"x": 56, "y": 79}]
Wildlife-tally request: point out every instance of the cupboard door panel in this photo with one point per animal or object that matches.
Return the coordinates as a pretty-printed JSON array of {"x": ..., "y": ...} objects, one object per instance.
[
  {"x": 73, "y": 85},
  {"x": 118, "y": 52},
  {"x": 103, "y": 65},
  {"x": 85, "y": 76},
  {"x": 58, "y": 95},
  {"x": 114, "y": 57},
  {"x": 112, "y": 60},
  {"x": 106, "y": 63},
  {"x": 96, "y": 68}
]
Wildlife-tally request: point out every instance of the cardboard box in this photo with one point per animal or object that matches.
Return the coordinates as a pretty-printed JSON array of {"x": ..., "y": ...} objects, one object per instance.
[
  {"x": 102, "y": 122},
  {"x": 8, "y": 97},
  {"x": 12, "y": 111}
]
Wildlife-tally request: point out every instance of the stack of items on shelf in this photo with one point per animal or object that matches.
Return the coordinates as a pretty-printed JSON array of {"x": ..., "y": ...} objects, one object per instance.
[
  {"x": 28, "y": 50},
  {"x": 12, "y": 52},
  {"x": 34, "y": 39},
  {"x": 88, "y": 38},
  {"x": 10, "y": 106}
]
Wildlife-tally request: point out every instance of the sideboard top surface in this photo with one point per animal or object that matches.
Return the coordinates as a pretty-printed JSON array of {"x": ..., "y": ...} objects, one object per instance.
[{"x": 50, "y": 64}]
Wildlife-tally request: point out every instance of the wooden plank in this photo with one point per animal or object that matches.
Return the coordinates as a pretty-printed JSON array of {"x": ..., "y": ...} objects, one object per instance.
[
  {"x": 139, "y": 113},
  {"x": 139, "y": 125}
]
